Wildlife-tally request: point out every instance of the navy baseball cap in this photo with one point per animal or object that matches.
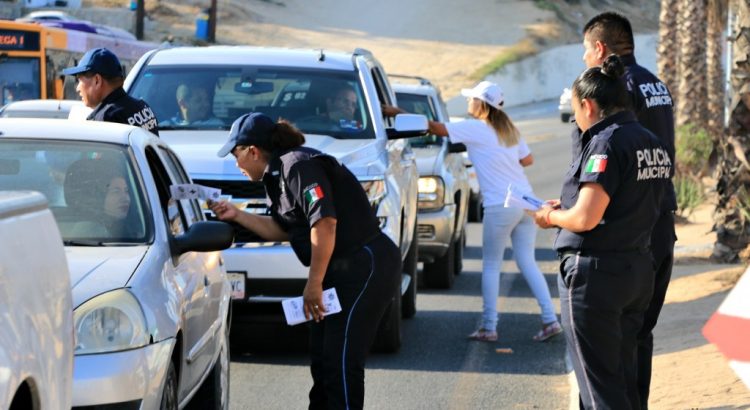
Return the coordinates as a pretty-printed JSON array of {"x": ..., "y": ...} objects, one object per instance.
[
  {"x": 253, "y": 128},
  {"x": 97, "y": 61}
]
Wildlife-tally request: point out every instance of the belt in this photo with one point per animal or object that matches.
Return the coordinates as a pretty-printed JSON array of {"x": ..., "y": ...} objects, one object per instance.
[{"x": 570, "y": 252}]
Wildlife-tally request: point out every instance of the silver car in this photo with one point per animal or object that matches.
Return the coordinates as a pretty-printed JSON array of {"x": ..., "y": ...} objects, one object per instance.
[
  {"x": 443, "y": 189},
  {"x": 150, "y": 293}
]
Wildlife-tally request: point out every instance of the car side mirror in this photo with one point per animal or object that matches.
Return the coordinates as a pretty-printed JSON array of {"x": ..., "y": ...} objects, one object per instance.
[
  {"x": 407, "y": 126},
  {"x": 204, "y": 236},
  {"x": 455, "y": 148}
]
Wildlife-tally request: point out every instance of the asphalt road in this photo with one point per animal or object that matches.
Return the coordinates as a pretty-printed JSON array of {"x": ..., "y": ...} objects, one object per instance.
[{"x": 437, "y": 368}]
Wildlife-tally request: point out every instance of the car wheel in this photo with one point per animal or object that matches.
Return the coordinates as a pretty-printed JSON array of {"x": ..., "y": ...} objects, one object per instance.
[
  {"x": 169, "y": 394},
  {"x": 440, "y": 273},
  {"x": 476, "y": 210},
  {"x": 388, "y": 337},
  {"x": 458, "y": 256},
  {"x": 409, "y": 299},
  {"x": 214, "y": 392},
  {"x": 565, "y": 117}
]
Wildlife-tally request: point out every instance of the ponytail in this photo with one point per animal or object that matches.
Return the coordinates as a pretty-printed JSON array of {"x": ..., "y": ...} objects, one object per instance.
[{"x": 507, "y": 133}]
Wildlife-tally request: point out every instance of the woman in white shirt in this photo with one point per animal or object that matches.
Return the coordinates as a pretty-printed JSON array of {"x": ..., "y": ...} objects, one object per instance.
[{"x": 499, "y": 154}]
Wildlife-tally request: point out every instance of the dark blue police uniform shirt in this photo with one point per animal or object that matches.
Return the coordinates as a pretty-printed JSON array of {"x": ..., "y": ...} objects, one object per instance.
[
  {"x": 119, "y": 107},
  {"x": 633, "y": 167},
  {"x": 652, "y": 104},
  {"x": 304, "y": 186}
]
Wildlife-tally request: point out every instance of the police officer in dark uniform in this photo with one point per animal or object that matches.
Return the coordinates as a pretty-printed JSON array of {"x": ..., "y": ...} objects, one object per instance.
[
  {"x": 100, "y": 77},
  {"x": 610, "y": 202},
  {"x": 320, "y": 207},
  {"x": 611, "y": 33}
]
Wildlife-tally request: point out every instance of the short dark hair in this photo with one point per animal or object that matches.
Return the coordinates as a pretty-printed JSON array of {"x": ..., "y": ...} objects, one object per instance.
[
  {"x": 613, "y": 30},
  {"x": 603, "y": 85}
]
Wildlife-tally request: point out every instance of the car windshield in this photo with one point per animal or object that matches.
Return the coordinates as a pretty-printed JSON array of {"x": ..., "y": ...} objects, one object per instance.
[
  {"x": 208, "y": 98},
  {"x": 92, "y": 188},
  {"x": 419, "y": 104}
]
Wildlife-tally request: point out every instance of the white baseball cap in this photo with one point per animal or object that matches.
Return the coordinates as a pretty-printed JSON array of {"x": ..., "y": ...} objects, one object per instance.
[{"x": 486, "y": 91}]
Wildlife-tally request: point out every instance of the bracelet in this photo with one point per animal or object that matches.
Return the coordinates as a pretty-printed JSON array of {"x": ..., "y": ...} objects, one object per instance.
[{"x": 546, "y": 217}]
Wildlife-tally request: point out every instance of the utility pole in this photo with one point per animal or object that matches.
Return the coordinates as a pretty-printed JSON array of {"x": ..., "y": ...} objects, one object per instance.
[
  {"x": 212, "y": 22},
  {"x": 140, "y": 13}
]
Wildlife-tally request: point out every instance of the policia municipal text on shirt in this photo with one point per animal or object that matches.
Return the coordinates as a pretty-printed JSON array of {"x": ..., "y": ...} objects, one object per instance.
[
  {"x": 319, "y": 206},
  {"x": 100, "y": 77},
  {"x": 606, "y": 215}
]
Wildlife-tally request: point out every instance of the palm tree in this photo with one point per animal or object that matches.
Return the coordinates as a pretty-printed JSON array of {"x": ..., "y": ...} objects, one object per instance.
[
  {"x": 732, "y": 214},
  {"x": 668, "y": 50},
  {"x": 692, "y": 107},
  {"x": 717, "y": 17}
]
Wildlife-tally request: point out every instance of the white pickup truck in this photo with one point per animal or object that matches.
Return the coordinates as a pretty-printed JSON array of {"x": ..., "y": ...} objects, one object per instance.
[
  {"x": 299, "y": 86},
  {"x": 36, "y": 336}
]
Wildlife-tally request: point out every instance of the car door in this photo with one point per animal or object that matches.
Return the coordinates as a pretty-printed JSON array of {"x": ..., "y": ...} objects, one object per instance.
[
  {"x": 214, "y": 276},
  {"x": 402, "y": 167},
  {"x": 189, "y": 269}
]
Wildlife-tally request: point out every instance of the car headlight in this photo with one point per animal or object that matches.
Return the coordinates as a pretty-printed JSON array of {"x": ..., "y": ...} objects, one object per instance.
[
  {"x": 431, "y": 193},
  {"x": 110, "y": 322}
]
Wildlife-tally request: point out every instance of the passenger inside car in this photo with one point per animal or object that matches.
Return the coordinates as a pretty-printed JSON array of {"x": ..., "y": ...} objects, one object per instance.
[
  {"x": 97, "y": 192},
  {"x": 195, "y": 103}
]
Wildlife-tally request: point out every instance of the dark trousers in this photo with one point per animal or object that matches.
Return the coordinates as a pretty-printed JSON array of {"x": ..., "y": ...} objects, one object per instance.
[
  {"x": 662, "y": 248},
  {"x": 365, "y": 284},
  {"x": 602, "y": 301}
]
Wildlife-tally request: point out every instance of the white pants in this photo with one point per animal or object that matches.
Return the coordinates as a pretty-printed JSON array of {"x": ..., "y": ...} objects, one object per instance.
[{"x": 499, "y": 224}]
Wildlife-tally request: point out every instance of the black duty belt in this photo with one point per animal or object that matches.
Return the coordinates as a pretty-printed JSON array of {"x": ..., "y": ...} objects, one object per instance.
[{"x": 571, "y": 252}]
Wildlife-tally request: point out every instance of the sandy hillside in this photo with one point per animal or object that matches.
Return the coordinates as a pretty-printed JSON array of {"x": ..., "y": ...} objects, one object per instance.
[{"x": 443, "y": 40}]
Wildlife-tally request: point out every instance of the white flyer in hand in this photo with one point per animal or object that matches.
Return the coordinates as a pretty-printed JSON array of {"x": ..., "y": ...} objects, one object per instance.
[
  {"x": 295, "y": 313},
  {"x": 194, "y": 191},
  {"x": 517, "y": 199}
]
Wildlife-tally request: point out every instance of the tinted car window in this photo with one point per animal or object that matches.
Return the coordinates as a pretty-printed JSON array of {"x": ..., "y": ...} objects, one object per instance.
[
  {"x": 93, "y": 189},
  {"x": 305, "y": 97},
  {"x": 419, "y": 104}
]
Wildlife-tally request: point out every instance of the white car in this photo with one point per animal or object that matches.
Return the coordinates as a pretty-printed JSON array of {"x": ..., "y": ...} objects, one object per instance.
[
  {"x": 444, "y": 190},
  {"x": 150, "y": 293},
  {"x": 566, "y": 111},
  {"x": 45, "y": 109},
  {"x": 36, "y": 336},
  {"x": 296, "y": 85}
]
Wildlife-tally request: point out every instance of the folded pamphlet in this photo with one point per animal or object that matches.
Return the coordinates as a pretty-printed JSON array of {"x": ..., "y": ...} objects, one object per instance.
[
  {"x": 194, "y": 191},
  {"x": 514, "y": 198},
  {"x": 295, "y": 313}
]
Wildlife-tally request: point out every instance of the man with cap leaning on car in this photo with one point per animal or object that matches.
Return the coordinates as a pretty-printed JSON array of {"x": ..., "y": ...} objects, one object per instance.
[{"x": 100, "y": 76}]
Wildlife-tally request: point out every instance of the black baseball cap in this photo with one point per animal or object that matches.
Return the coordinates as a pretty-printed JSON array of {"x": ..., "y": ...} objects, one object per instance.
[
  {"x": 253, "y": 128},
  {"x": 97, "y": 61}
]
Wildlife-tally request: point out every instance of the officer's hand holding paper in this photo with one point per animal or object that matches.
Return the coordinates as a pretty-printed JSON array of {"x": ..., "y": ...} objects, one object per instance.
[
  {"x": 514, "y": 198},
  {"x": 295, "y": 313}
]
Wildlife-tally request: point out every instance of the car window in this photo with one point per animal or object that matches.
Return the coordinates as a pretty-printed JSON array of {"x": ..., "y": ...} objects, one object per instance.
[
  {"x": 93, "y": 189},
  {"x": 419, "y": 104},
  {"x": 316, "y": 101},
  {"x": 190, "y": 206},
  {"x": 172, "y": 209}
]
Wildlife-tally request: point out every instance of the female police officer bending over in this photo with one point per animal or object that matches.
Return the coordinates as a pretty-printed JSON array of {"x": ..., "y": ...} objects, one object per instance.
[
  {"x": 320, "y": 207},
  {"x": 608, "y": 207}
]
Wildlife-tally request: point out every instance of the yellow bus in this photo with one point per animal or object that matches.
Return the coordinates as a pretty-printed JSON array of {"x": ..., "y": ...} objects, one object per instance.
[{"x": 32, "y": 56}]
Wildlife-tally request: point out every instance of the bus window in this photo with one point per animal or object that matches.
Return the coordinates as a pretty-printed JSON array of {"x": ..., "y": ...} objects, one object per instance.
[{"x": 19, "y": 79}]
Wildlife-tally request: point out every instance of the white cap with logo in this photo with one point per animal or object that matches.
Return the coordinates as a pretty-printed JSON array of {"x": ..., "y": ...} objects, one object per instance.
[{"x": 486, "y": 91}]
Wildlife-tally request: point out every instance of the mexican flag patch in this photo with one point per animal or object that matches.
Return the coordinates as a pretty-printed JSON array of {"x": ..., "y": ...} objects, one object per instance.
[
  {"x": 313, "y": 194},
  {"x": 596, "y": 163}
]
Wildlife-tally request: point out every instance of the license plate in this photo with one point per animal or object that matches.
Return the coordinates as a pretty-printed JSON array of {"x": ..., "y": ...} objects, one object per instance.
[{"x": 237, "y": 281}]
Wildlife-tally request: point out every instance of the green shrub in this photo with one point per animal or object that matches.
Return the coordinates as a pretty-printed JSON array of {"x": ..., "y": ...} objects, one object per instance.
[
  {"x": 693, "y": 146},
  {"x": 689, "y": 194}
]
